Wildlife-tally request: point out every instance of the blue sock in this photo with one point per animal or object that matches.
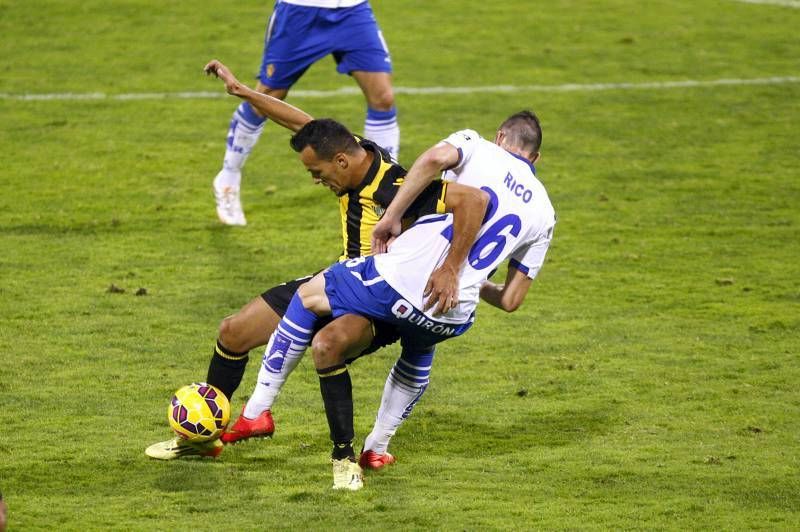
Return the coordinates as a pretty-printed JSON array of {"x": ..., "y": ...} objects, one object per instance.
[
  {"x": 405, "y": 385},
  {"x": 247, "y": 115},
  {"x": 381, "y": 127},
  {"x": 284, "y": 350},
  {"x": 298, "y": 323},
  {"x": 243, "y": 133},
  {"x": 413, "y": 368}
]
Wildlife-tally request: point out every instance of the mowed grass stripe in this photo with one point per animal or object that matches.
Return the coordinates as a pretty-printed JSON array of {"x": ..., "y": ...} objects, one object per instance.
[
  {"x": 489, "y": 89},
  {"x": 783, "y": 3}
]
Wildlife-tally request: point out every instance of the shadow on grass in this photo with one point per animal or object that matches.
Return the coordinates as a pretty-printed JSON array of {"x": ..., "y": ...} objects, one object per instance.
[{"x": 504, "y": 436}]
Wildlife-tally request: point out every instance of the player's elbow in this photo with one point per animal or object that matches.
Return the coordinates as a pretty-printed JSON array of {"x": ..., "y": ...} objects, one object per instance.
[
  {"x": 439, "y": 158},
  {"x": 476, "y": 201}
]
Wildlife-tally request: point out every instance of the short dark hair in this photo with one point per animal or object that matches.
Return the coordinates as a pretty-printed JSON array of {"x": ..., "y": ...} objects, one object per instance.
[
  {"x": 326, "y": 137},
  {"x": 523, "y": 131}
]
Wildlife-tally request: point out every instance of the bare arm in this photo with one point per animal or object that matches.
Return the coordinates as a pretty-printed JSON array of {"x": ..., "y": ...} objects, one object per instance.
[
  {"x": 508, "y": 296},
  {"x": 468, "y": 205},
  {"x": 424, "y": 170},
  {"x": 276, "y": 110}
]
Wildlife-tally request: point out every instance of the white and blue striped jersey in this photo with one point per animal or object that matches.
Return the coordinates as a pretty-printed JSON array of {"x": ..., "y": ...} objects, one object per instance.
[{"x": 518, "y": 226}]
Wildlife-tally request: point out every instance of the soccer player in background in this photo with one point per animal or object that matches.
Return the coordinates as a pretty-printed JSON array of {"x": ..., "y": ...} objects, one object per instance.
[
  {"x": 365, "y": 178},
  {"x": 429, "y": 282},
  {"x": 300, "y": 33}
]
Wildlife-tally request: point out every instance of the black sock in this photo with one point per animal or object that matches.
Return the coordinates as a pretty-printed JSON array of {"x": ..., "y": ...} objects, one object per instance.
[
  {"x": 226, "y": 369},
  {"x": 337, "y": 394}
]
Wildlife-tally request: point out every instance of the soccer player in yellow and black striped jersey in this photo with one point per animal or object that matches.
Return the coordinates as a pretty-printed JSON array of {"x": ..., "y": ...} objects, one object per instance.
[
  {"x": 330, "y": 153},
  {"x": 365, "y": 178}
]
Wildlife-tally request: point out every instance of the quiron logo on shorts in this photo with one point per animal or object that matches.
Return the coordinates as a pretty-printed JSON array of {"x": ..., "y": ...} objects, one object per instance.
[{"x": 403, "y": 310}]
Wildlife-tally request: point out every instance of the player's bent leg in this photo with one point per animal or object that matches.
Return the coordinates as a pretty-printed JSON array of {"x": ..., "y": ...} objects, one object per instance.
[
  {"x": 380, "y": 125},
  {"x": 284, "y": 350},
  {"x": 243, "y": 132},
  {"x": 245, "y": 330},
  {"x": 405, "y": 385},
  {"x": 250, "y": 327}
]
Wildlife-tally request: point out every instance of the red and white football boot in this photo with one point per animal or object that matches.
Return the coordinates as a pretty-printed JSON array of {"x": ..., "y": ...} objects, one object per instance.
[
  {"x": 375, "y": 461},
  {"x": 244, "y": 428}
]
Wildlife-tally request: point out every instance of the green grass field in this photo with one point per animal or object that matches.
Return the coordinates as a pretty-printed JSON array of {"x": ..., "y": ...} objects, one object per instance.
[{"x": 649, "y": 381}]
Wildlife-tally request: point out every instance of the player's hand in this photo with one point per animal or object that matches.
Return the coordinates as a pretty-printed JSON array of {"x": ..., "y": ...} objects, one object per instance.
[
  {"x": 219, "y": 70},
  {"x": 384, "y": 232},
  {"x": 442, "y": 290}
]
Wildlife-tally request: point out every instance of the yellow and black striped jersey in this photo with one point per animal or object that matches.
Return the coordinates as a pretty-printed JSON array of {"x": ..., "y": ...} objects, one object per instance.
[{"x": 362, "y": 207}]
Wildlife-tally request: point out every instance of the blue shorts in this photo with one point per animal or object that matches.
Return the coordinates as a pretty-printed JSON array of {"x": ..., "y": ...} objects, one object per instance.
[
  {"x": 299, "y": 36},
  {"x": 356, "y": 287}
]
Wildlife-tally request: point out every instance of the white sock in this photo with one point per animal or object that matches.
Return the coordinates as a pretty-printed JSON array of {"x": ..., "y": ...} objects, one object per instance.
[
  {"x": 381, "y": 127},
  {"x": 405, "y": 385},
  {"x": 280, "y": 358},
  {"x": 243, "y": 133}
]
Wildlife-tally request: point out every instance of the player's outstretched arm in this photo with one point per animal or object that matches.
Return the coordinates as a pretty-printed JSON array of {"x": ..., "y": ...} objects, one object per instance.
[
  {"x": 425, "y": 169},
  {"x": 508, "y": 296},
  {"x": 468, "y": 205},
  {"x": 276, "y": 110}
]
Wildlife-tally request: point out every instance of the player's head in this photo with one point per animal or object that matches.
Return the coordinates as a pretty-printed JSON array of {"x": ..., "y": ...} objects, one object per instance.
[
  {"x": 327, "y": 149},
  {"x": 521, "y": 133}
]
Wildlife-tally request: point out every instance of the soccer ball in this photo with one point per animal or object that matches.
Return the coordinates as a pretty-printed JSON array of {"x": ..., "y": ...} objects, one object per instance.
[{"x": 199, "y": 412}]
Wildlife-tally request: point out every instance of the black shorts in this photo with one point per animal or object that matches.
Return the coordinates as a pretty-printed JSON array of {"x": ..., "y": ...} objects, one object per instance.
[{"x": 278, "y": 298}]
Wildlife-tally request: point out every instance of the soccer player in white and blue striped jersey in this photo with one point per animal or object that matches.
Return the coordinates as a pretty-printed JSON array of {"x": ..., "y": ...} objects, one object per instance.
[
  {"x": 300, "y": 33},
  {"x": 429, "y": 282}
]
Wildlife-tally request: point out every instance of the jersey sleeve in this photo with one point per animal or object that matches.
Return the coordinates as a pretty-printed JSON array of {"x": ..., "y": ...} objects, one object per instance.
[
  {"x": 529, "y": 258},
  {"x": 465, "y": 141}
]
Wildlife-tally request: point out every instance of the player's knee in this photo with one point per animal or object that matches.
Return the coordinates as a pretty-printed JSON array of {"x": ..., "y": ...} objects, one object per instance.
[
  {"x": 230, "y": 335},
  {"x": 381, "y": 99},
  {"x": 327, "y": 350}
]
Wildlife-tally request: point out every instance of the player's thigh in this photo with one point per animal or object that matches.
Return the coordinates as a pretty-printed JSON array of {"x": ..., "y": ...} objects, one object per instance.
[
  {"x": 250, "y": 327},
  {"x": 359, "y": 43},
  {"x": 292, "y": 44},
  {"x": 313, "y": 296},
  {"x": 377, "y": 88}
]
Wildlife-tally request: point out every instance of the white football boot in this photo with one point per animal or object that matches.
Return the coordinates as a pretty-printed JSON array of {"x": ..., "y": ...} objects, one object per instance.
[
  {"x": 178, "y": 448},
  {"x": 229, "y": 205},
  {"x": 347, "y": 475}
]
